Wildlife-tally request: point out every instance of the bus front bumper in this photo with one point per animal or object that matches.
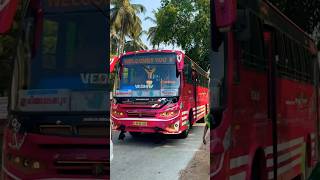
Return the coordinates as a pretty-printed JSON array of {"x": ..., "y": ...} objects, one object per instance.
[
  {"x": 148, "y": 125},
  {"x": 6, "y": 175},
  {"x": 57, "y": 158}
]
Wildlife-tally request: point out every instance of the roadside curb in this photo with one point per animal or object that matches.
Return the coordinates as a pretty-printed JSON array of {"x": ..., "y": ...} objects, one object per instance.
[{"x": 199, "y": 166}]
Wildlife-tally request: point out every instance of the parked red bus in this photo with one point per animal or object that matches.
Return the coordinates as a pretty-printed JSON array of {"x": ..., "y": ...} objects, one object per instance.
[
  {"x": 158, "y": 92},
  {"x": 265, "y": 94},
  {"x": 58, "y": 116}
]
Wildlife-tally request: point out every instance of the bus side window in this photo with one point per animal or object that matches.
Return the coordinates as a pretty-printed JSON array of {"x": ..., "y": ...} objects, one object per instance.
[
  {"x": 186, "y": 70},
  {"x": 239, "y": 54}
]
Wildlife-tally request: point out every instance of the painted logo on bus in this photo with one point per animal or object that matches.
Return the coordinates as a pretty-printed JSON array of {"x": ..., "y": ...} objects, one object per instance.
[{"x": 94, "y": 78}]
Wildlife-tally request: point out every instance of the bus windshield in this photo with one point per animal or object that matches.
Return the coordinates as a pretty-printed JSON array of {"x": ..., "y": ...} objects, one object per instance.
[
  {"x": 148, "y": 75},
  {"x": 67, "y": 69},
  {"x": 72, "y": 53}
]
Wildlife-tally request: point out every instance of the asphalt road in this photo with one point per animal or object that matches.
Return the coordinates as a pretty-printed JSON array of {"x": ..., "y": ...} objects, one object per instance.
[{"x": 143, "y": 158}]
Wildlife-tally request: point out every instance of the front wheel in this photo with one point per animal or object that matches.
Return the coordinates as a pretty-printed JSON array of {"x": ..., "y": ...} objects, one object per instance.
[{"x": 185, "y": 133}]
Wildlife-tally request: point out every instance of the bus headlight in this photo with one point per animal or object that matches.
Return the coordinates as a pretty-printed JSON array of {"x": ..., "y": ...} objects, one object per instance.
[
  {"x": 17, "y": 160},
  {"x": 117, "y": 113},
  {"x": 24, "y": 162},
  {"x": 168, "y": 114},
  {"x": 36, "y": 165}
]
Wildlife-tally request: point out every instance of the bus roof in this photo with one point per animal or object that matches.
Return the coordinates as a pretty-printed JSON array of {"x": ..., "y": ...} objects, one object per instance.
[{"x": 278, "y": 20}]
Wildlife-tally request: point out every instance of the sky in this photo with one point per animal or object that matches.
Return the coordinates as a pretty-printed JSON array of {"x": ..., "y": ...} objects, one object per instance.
[{"x": 150, "y": 5}]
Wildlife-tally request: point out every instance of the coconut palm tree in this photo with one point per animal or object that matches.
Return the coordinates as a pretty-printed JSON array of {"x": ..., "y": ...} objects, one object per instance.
[
  {"x": 124, "y": 20},
  {"x": 114, "y": 41},
  {"x": 135, "y": 43},
  {"x": 152, "y": 32}
]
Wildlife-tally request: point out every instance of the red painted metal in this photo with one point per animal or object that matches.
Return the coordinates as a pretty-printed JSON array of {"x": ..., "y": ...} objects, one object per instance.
[
  {"x": 7, "y": 11},
  {"x": 246, "y": 127},
  {"x": 225, "y": 12}
]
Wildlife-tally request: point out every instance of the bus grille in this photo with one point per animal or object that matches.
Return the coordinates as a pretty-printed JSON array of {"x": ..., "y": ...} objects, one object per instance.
[
  {"x": 99, "y": 131},
  {"x": 95, "y": 168},
  {"x": 56, "y": 129},
  {"x": 80, "y": 130},
  {"x": 141, "y": 114}
]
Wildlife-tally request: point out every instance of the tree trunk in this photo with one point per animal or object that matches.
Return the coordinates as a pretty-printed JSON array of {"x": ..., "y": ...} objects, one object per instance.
[{"x": 122, "y": 39}]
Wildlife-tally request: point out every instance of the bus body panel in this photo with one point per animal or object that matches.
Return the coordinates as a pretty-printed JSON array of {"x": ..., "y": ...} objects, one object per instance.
[{"x": 245, "y": 130}]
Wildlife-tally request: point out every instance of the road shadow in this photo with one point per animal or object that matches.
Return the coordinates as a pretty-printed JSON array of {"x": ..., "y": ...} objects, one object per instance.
[{"x": 155, "y": 140}]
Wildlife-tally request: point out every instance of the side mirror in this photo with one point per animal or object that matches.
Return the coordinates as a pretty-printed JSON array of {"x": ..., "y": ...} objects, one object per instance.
[
  {"x": 8, "y": 9},
  {"x": 242, "y": 25},
  {"x": 224, "y": 12}
]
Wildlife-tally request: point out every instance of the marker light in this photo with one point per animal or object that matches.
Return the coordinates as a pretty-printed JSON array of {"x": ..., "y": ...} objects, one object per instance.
[
  {"x": 117, "y": 113},
  {"x": 169, "y": 113}
]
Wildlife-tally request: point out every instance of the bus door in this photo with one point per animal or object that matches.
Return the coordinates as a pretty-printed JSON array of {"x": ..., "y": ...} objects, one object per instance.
[
  {"x": 194, "y": 84},
  {"x": 272, "y": 57}
]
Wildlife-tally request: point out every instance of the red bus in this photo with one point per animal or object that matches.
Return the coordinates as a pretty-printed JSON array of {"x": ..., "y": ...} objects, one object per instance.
[
  {"x": 58, "y": 119},
  {"x": 265, "y": 94},
  {"x": 158, "y": 92}
]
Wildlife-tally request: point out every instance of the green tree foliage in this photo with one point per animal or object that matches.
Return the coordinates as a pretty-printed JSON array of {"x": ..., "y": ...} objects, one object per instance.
[
  {"x": 8, "y": 44},
  {"x": 125, "y": 23},
  {"x": 184, "y": 23},
  {"x": 151, "y": 33}
]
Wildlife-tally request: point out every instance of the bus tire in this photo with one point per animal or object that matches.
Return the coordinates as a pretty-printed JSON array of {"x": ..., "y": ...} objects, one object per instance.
[
  {"x": 258, "y": 168},
  {"x": 185, "y": 133},
  {"x": 190, "y": 119},
  {"x": 135, "y": 134}
]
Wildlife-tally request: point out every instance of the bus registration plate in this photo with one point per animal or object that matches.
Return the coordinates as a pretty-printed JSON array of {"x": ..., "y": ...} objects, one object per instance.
[{"x": 140, "y": 123}]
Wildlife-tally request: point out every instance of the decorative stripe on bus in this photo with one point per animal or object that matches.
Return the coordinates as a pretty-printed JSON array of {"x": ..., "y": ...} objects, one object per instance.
[
  {"x": 239, "y": 161},
  {"x": 200, "y": 114},
  {"x": 198, "y": 107},
  {"x": 184, "y": 123},
  {"x": 239, "y": 176},
  {"x": 285, "y": 168},
  {"x": 184, "y": 112},
  {"x": 201, "y": 106},
  {"x": 199, "y": 111},
  {"x": 184, "y": 118},
  {"x": 285, "y": 157},
  {"x": 285, "y": 145},
  {"x": 294, "y": 155}
]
